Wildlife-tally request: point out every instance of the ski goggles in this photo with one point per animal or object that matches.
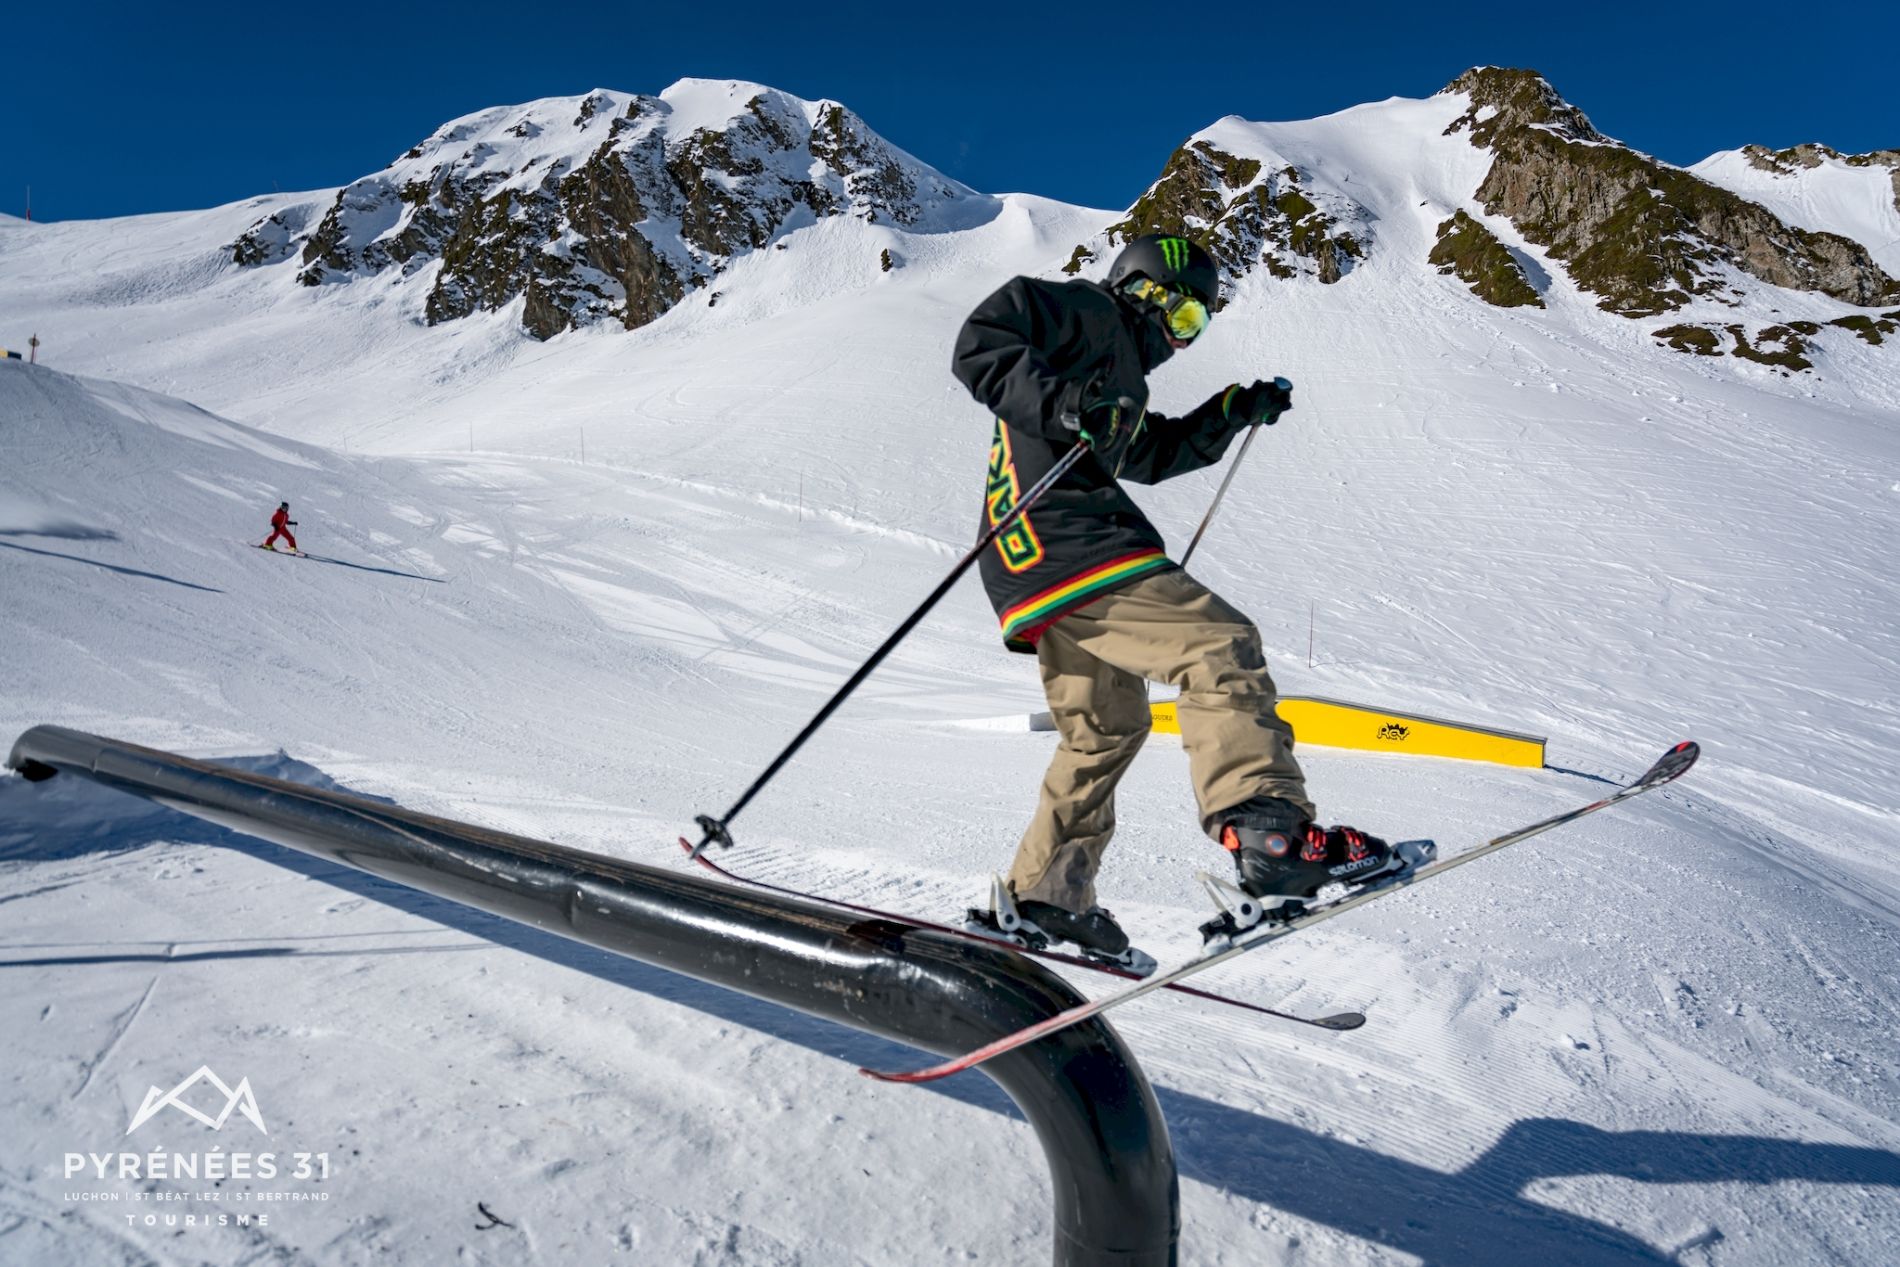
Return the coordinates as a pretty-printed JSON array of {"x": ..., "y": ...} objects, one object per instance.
[{"x": 1187, "y": 316}]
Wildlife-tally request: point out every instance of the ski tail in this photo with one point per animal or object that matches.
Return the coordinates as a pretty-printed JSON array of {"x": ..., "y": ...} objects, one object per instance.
[{"x": 1670, "y": 766}]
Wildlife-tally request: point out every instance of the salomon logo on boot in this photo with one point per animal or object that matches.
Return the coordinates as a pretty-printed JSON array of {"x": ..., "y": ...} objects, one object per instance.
[{"x": 1269, "y": 867}]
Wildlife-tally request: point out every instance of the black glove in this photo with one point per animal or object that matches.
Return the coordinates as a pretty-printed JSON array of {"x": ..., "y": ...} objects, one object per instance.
[
  {"x": 291, "y": 522},
  {"x": 1106, "y": 427},
  {"x": 1263, "y": 402},
  {"x": 1102, "y": 424}
]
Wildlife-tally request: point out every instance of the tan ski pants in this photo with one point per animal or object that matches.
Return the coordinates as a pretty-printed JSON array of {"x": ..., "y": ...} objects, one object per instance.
[{"x": 1165, "y": 628}]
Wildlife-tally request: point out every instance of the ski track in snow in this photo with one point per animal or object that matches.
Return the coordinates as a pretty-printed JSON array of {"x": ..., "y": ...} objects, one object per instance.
[
  {"x": 1667, "y": 1033},
  {"x": 122, "y": 1026}
]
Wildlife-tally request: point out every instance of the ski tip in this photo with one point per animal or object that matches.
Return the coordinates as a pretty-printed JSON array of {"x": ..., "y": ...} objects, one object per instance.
[
  {"x": 1341, "y": 1021},
  {"x": 1672, "y": 764}
]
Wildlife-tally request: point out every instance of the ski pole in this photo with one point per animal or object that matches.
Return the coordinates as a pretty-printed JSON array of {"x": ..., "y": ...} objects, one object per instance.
[
  {"x": 717, "y": 829},
  {"x": 1220, "y": 492}
]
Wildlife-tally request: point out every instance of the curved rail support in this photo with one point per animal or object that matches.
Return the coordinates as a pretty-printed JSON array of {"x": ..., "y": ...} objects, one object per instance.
[{"x": 1111, "y": 1165}]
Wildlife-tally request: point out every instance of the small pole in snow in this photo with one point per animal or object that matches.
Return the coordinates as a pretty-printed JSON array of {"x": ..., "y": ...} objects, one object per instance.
[
  {"x": 33, "y": 349},
  {"x": 29, "y": 204},
  {"x": 1310, "y": 618}
]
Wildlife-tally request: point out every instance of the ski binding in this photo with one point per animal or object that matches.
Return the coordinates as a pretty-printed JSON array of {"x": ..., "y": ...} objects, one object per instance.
[
  {"x": 1005, "y": 923},
  {"x": 1240, "y": 912},
  {"x": 1238, "y": 909},
  {"x": 1002, "y": 921}
]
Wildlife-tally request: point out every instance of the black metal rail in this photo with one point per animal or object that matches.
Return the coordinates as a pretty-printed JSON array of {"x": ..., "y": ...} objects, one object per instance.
[{"x": 1111, "y": 1166}]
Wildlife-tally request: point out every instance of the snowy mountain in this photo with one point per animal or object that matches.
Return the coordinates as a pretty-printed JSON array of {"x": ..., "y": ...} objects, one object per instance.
[
  {"x": 736, "y": 205},
  {"x": 1641, "y": 237},
  {"x": 607, "y": 206},
  {"x": 582, "y": 587}
]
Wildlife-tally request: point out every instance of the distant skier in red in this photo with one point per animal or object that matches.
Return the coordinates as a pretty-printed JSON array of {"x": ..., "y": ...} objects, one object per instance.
[{"x": 280, "y": 525}]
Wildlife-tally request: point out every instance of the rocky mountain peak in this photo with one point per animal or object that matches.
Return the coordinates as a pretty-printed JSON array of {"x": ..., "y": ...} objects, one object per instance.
[
  {"x": 1250, "y": 206},
  {"x": 607, "y": 206},
  {"x": 1644, "y": 236},
  {"x": 1504, "y": 100}
]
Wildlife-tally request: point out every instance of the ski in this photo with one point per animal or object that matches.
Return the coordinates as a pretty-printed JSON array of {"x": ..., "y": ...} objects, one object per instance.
[
  {"x": 1338, "y": 1021},
  {"x": 295, "y": 554},
  {"x": 1669, "y": 766}
]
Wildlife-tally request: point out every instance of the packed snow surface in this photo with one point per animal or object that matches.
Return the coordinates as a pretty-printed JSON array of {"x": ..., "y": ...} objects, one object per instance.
[{"x": 583, "y": 590}]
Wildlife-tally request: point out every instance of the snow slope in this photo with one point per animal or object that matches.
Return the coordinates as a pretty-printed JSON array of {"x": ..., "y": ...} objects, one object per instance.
[
  {"x": 1663, "y": 1035},
  {"x": 1833, "y": 196}
]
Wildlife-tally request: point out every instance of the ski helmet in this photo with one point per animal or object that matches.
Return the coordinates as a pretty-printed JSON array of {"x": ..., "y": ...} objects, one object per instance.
[{"x": 1175, "y": 262}]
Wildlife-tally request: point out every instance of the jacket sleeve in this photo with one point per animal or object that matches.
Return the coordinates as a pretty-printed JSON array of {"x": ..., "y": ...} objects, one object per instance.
[
  {"x": 1166, "y": 447},
  {"x": 1005, "y": 355}
]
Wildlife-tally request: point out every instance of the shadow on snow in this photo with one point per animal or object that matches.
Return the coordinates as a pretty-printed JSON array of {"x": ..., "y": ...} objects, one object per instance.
[
  {"x": 110, "y": 567},
  {"x": 364, "y": 567}
]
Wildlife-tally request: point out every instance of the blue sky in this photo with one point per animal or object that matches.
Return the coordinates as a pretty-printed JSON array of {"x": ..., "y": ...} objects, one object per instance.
[{"x": 114, "y": 109}]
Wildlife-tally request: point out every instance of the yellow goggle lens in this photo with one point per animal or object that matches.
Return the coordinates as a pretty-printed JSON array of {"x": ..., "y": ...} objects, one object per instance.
[
  {"x": 1187, "y": 316},
  {"x": 1188, "y": 319}
]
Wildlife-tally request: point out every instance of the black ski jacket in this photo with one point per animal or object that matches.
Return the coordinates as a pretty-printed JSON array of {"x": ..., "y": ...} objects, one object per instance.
[{"x": 1027, "y": 354}]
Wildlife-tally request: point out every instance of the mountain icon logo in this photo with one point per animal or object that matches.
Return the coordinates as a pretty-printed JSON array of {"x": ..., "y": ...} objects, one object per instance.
[{"x": 239, "y": 1098}]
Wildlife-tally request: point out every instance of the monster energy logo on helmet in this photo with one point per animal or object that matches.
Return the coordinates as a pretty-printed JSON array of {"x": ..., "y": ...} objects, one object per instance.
[{"x": 1174, "y": 261}]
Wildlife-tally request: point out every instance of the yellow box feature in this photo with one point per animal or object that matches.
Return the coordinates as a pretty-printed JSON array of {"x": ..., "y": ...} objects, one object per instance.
[{"x": 1329, "y": 723}]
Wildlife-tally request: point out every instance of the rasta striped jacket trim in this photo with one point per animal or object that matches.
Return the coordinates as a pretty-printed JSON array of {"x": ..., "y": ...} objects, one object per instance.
[{"x": 1020, "y": 621}]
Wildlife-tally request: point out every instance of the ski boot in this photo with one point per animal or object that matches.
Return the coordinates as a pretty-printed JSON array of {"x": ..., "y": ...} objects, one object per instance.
[
  {"x": 1034, "y": 925},
  {"x": 1282, "y": 860}
]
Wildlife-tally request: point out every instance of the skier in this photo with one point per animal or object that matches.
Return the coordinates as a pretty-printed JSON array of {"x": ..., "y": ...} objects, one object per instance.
[
  {"x": 280, "y": 525},
  {"x": 1082, "y": 582}
]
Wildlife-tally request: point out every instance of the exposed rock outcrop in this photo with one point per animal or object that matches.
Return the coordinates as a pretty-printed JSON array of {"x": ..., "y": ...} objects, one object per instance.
[
  {"x": 1870, "y": 329},
  {"x": 1782, "y": 346},
  {"x": 1252, "y": 214},
  {"x": 1645, "y": 237},
  {"x": 1473, "y": 253},
  {"x": 271, "y": 239}
]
